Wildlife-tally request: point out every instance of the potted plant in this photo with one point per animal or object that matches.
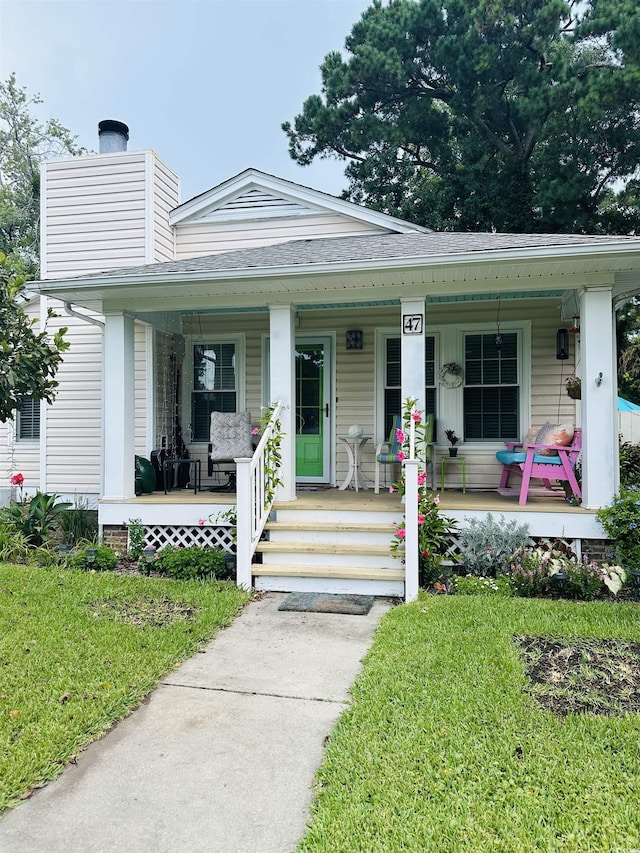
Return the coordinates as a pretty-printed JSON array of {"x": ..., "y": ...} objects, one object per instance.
[
  {"x": 574, "y": 387},
  {"x": 453, "y": 439}
]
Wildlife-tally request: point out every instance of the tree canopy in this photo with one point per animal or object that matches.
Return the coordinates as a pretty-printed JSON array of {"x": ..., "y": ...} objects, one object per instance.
[
  {"x": 25, "y": 142},
  {"x": 513, "y": 115},
  {"x": 28, "y": 358}
]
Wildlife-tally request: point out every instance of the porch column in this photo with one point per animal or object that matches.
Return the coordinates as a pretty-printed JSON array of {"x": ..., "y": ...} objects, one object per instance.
[
  {"x": 118, "y": 447},
  {"x": 599, "y": 397},
  {"x": 282, "y": 366},
  {"x": 412, "y": 329}
]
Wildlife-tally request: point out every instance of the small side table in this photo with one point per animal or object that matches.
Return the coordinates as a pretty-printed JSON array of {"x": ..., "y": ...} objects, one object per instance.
[
  {"x": 195, "y": 473},
  {"x": 353, "y": 446},
  {"x": 463, "y": 464}
]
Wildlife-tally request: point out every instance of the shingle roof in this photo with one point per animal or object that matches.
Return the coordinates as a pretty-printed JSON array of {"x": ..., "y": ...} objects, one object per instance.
[{"x": 375, "y": 247}]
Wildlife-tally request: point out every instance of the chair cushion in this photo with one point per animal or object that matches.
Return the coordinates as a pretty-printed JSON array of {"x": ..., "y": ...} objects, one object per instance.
[
  {"x": 512, "y": 457},
  {"x": 387, "y": 457}
]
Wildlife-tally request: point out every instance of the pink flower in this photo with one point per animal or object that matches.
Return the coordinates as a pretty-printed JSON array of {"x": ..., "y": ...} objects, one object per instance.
[
  {"x": 422, "y": 478},
  {"x": 391, "y": 490},
  {"x": 17, "y": 480},
  {"x": 201, "y": 521},
  {"x": 399, "y": 436},
  {"x": 401, "y": 456},
  {"x": 400, "y": 533},
  {"x": 254, "y": 431},
  {"x": 421, "y": 519},
  {"x": 416, "y": 417},
  {"x": 436, "y": 500}
]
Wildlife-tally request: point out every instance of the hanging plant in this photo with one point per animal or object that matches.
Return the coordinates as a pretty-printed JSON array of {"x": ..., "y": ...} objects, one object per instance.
[{"x": 574, "y": 387}]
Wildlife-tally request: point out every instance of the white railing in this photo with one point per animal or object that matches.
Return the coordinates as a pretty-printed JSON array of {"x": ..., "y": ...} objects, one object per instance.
[
  {"x": 255, "y": 493},
  {"x": 411, "y": 504}
]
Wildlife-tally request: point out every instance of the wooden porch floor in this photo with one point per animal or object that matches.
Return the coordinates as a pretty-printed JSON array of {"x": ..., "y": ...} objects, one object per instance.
[{"x": 487, "y": 501}]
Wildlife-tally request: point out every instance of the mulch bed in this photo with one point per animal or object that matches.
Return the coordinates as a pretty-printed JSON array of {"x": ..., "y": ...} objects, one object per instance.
[{"x": 583, "y": 675}]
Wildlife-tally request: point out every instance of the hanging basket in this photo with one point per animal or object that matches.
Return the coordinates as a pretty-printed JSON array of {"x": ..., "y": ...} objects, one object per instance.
[{"x": 575, "y": 392}]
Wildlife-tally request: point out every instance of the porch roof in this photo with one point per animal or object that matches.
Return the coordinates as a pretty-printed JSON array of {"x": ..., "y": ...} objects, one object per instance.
[{"x": 307, "y": 271}]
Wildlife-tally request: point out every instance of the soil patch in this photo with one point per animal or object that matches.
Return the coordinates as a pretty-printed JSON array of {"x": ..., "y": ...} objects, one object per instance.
[
  {"x": 583, "y": 675},
  {"x": 144, "y": 613}
]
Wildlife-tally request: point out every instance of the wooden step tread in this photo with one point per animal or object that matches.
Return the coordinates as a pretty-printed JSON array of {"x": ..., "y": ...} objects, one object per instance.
[
  {"x": 353, "y": 572},
  {"x": 323, "y": 548},
  {"x": 330, "y": 527}
]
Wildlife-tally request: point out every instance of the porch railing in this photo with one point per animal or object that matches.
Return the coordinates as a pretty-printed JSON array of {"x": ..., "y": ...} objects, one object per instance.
[{"x": 256, "y": 480}]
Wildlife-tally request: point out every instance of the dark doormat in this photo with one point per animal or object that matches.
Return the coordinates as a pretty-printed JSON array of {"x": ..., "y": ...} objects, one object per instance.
[{"x": 322, "y": 602}]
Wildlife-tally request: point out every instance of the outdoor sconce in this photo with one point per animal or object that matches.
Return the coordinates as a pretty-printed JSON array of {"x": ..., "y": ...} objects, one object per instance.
[
  {"x": 562, "y": 344},
  {"x": 354, "y": 339},
  {"x": 91, "y": 554}
]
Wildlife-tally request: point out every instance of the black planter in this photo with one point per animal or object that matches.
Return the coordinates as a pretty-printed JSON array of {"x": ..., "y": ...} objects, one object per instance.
[{"x": 453, "y": 451}]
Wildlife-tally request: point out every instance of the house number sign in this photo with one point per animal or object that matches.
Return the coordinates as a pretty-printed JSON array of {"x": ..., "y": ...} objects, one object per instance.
[{"x": 412, "y": 324}]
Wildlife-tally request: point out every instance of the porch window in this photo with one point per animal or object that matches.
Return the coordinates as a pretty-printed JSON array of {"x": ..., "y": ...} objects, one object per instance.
[
  {"x": 28, "y": 425},
  {"x": 215, "y": 385},
  {"x": 392, "y": 389},
  {"x": 492, "y": 390}
]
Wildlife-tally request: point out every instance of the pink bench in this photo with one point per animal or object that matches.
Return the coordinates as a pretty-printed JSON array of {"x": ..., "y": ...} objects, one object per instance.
[{"x": 529, "y": 462}]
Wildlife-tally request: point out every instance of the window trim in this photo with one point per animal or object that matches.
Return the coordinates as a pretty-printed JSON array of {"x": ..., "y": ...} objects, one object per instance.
[{"x": 239, "y": 340}]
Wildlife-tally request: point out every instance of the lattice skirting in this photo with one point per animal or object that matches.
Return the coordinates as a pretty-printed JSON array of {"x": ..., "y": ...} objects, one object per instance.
[{"x": 158, "y": 536}]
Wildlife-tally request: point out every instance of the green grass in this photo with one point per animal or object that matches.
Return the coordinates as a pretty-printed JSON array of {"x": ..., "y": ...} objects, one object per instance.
[
  {"x": 78, "y": 651},
  {"x": 444, "y": 750}
]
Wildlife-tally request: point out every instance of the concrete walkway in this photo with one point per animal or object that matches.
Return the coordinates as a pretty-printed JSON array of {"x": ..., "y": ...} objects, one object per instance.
[{"x": 222, "y": 755}]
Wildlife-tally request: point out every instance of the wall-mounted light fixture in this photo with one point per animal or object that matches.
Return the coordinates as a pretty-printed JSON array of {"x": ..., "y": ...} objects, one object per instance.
[
  {"x": 562, "y": 344},
  {"x": 354, "y": 339}
]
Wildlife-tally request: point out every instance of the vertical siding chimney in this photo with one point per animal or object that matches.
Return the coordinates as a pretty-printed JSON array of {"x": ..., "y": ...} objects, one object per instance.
[{"x": 112, "y": 136}]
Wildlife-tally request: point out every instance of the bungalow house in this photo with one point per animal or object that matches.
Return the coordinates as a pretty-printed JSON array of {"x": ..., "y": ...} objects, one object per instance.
[{"x": 261, "y": 290}]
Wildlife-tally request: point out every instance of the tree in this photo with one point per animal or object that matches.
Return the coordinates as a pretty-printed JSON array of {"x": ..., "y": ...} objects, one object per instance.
[
  {"x": 28, "y": 360},
  {"x": 515, "y": 115},
  {"x": 25, "y": 142}
]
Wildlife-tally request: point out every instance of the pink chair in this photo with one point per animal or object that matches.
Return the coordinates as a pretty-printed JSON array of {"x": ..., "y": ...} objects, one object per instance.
[{"x": 529, "y": 462}]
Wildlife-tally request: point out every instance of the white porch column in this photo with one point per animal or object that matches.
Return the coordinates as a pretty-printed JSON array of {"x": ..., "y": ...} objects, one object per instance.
[
  {"x": 282, "y": 367},
  {"x": 118, "y": 407},
  {"x": 412, "y": 330},
  {"x": 599, "y": 398}
]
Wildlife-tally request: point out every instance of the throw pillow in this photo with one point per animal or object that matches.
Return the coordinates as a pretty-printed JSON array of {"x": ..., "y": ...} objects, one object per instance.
[{"x": 560, "y": 436}]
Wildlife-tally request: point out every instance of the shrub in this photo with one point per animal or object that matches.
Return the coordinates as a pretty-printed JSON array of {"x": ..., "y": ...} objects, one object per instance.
[
  {"x": 629, "y": 464},
  {"x": 621, "y": 523},
  {"x": 535, "y": 571},
  {"x": 530, "y": 572},
  {"x": 79, "y": 523},
  {"x": 135, "y": 538},
  {"x": 105, "y": 559},
  {"x": 36, "y": 518},
  {"x": 13, "y": 545},
  {"x": 477, "y": 585},
  {"x": 193, "y": 562},
  {"x": 486, "y": 545}
]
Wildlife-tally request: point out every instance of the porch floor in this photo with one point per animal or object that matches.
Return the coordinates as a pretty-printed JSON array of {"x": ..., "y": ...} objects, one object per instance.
[{"x": 487, "y": 501}]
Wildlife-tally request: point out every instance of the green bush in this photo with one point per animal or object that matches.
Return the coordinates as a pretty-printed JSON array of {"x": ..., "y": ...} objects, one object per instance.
[
  {"x": 79, "y": 523},
  {"x": 36, "y": 518},
  {"x": 486, "y": 545},
  {"x": 188, "y": 563},
  {"x": 477, "y": 585},
  {"x": 629, "y": 464},
  {"x": 621, "y": 522},
  {"x": 13, "y": 545},
  {"x": 105, "y": 559}
]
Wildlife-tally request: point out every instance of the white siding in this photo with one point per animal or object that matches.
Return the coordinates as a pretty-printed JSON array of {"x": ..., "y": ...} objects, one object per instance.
[
  {"x": 165, "y": 198},
  {"x": 194, "y": 239},
  {"x": 140, "y": 384}
]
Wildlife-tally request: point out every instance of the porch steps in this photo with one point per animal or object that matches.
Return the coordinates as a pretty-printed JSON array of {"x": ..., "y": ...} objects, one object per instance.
[{"x": 329, "y": 550}]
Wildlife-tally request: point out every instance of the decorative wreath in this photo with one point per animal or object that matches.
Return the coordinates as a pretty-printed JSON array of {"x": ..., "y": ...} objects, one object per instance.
[{"x": 451, "y": 375}]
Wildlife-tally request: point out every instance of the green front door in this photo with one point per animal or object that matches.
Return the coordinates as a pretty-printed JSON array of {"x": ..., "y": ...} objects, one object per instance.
[{"x": 312, "y": 410}]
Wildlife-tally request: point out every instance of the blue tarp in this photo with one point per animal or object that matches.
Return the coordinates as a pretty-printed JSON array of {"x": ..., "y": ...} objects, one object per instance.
[{"x": 627, "y": 406}]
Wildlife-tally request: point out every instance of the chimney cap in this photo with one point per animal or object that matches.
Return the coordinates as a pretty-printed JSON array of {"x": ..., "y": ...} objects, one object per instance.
[{"x": 110, "y": 125}]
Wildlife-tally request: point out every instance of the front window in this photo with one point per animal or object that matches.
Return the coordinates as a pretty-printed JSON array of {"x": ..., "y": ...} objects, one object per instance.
[
  {"x": 392, "y": 388},
  {"x": 492, "y": 390},
  {"x": 215, "y": 385},
  {"x": 28, "y": 426}
]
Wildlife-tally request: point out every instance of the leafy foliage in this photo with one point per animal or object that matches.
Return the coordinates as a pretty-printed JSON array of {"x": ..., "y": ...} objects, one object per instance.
[
  {"x": 79, "y": 524},
  {"x": 536, "y": 571},
  {"x": 35, "y": 519},
  {"x": 477, "y": 585},
  {"x": 188, "y": 563},
  {"x": 105, "y": 559},
  {"x": 486, "y": 545},
  {"x": 29, "y": 359},
  {"x": 621, "y": 523},
  {"x": 514, "y": 116},
  {"x": 629, "y": 464}
]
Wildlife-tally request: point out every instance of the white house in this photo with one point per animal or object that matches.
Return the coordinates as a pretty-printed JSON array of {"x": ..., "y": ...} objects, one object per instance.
[{"x": 306, "y": 299}]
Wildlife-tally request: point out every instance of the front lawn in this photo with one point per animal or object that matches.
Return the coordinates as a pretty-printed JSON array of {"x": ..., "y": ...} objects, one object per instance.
[
  {"x": 79, "y": 650},
  {"x": 448, "y": 746}
]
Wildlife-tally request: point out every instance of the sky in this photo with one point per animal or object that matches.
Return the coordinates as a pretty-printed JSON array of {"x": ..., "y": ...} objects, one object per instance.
[{"x": 204, "y": 83}]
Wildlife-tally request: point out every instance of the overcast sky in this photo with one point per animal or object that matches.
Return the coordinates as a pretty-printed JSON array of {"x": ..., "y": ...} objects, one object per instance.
[{"x": 205, "y": 83}]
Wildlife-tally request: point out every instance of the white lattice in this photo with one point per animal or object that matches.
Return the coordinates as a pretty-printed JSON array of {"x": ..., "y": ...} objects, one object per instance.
[{"x": 184, "y": 537}]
